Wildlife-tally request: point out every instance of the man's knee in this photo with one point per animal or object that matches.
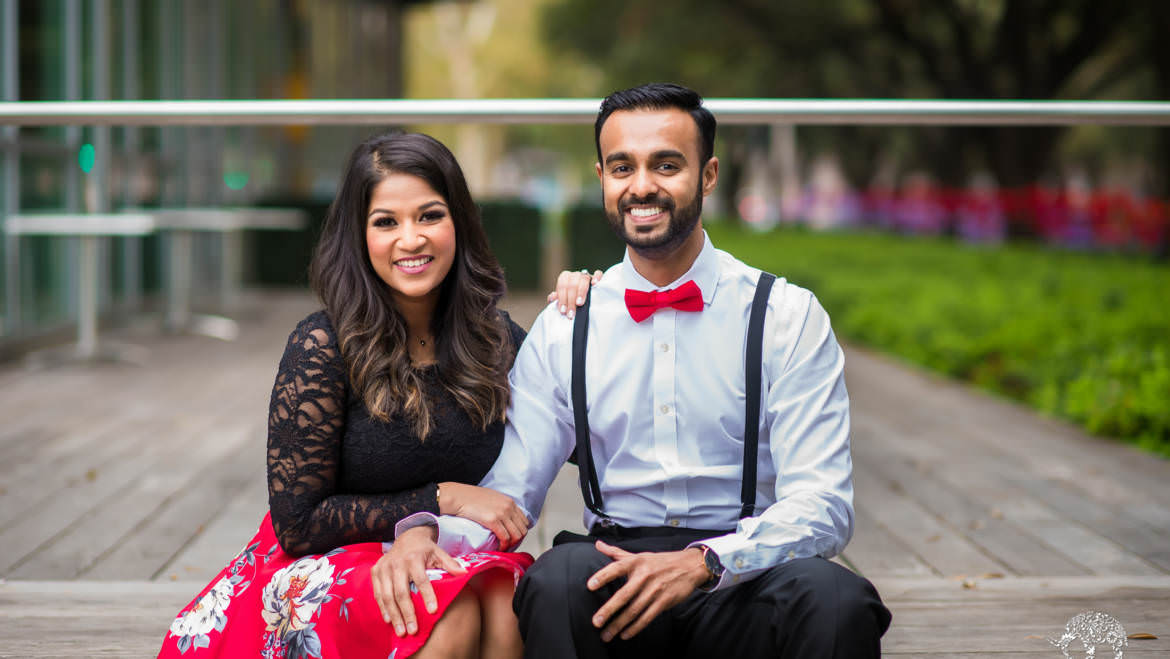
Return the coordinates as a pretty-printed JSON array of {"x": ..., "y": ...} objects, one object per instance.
[
  {"x": 552, "y": 603},
  {"x": 823, "y": 585},
  {"x": 562, "y": 569}
]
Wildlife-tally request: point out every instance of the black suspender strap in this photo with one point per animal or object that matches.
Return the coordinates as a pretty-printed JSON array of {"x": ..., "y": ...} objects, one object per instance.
[
  {"x": 751, "y": 366},
  {"x": 586, "y": 469}
]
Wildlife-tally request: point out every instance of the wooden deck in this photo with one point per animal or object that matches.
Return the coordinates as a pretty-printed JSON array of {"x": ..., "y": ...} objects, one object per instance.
[{"x": 123, "y": 489}]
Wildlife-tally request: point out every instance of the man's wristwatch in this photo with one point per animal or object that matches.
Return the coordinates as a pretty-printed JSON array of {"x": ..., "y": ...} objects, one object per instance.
[{"x": 711, "y": 561}]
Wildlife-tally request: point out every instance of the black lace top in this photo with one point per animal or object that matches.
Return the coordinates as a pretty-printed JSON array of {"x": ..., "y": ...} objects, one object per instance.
[{"x": 336, "y": 475}]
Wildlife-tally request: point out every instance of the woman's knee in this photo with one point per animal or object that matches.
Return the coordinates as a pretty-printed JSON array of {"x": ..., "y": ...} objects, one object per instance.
[
  {"x": 499, "y": 628},
  {"x": 458, "y": 631},
  {"x": 493, "y": 587}
]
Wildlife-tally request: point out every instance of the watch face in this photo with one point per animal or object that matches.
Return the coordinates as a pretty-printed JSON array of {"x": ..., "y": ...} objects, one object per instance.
[{"x": 713, "y": 564}]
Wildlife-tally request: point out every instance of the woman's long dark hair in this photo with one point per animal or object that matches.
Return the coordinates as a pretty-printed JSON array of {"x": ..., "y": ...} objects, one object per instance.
[{"x": 472, "y": 344}]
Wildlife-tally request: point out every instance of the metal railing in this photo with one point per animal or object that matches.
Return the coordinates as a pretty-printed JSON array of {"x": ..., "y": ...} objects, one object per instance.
[
  {"x": 103, "y": 114},
  {"x": 576, "y": 111}
]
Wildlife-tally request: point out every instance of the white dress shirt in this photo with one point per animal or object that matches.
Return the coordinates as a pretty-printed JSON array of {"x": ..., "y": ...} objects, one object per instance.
[{"x": 666, "y": 415}]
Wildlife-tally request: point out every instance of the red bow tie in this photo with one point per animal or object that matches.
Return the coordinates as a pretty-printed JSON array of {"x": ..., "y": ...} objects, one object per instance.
[{"x": 642, "y": 304}]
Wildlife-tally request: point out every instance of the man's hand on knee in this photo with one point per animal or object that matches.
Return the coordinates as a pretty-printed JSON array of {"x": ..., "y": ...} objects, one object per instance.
[{"x": 655, "y": 582}]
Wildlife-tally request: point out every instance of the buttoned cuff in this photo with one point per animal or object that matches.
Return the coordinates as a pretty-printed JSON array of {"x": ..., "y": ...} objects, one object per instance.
[
  {"x": 457, "y": 536},
  {"x": 741, "y": 559},
  {"x": 417, "y": 519}
]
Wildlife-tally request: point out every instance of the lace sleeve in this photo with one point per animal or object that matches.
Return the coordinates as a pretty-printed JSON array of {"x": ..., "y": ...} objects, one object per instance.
[{"x": 306, "y": 423}]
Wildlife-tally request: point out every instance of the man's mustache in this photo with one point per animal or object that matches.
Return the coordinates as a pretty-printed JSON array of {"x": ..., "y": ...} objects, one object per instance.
[{"x": 666, "y": 203}]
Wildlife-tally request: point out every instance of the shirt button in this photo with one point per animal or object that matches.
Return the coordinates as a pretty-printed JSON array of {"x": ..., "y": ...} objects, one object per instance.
[
  {"x": 665, "y": 409},
  {"x": 674, "y": 522},
  {"x": 665, "y": 347}
]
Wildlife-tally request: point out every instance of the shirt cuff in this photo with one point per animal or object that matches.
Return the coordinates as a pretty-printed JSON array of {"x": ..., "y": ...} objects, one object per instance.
[
  {"x": 418, "y": 519},
  {"x": 740, "y": 558},
  {"x": 457, "y": 536}
]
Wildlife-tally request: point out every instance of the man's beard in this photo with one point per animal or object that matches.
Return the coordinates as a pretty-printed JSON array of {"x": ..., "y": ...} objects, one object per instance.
[{"x": 682, "y": 223}]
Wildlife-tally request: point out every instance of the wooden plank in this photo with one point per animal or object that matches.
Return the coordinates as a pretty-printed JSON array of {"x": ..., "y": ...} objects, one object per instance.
[
  {"x": 981, "y": 480},
  {"x": 985, "y": 470},
  {"x": 149, "y": 548},
  {"x": 223, "y": 537},
  {"x": 1024, "y": 589},
  {"x": 122, "y": 404},
  {"x": 874, "y": 552},
  {"x": 932, "y": 617},
  {"x": 57, "y": 514},
  {"x": 1105, "y": 469},
  {"x": 1084, "y": 545},
  {"x": 182, "y": 391},
  {"x": 1009, "y": 544},
  {"x": 1150, "y": 543},
  {"x": 89, "y": 455},
  {"x": 42, "y": 411},
  {"x": 947, "y": 552},
  {"x": 938, "y": 617},
  {"x": 136, "y": 492},
  {"x": 80, "y": 619}
]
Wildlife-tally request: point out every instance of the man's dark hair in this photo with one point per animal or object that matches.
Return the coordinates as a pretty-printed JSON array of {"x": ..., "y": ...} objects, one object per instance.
[{"x": 660, "y": 96}]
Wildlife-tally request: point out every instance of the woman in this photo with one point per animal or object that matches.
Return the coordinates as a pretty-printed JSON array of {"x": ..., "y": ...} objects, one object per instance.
[{"x": 387, "y": 403}]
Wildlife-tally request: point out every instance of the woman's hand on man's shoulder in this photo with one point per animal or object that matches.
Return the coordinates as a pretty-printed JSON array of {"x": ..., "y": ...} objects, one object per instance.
[{"x": 572, "y": 286}]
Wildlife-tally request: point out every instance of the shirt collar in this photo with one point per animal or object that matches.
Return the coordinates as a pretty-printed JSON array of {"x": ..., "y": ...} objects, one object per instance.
[{"x": 705, "y": 272}]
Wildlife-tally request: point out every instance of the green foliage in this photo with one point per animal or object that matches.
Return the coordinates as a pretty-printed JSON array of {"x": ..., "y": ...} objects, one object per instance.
[
  {"x": 281, "y": 258},
  {"x": 513, "y": 231},
  {"x": 592, "y": 244},
  {"x": 1081, "y": 336},
  {"x": 956, "y": 49}
]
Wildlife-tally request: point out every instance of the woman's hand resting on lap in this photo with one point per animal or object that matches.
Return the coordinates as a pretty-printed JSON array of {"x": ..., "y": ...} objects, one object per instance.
[
  {"x": 404, "y": 563},
  {"x": 494, "y": 511}
]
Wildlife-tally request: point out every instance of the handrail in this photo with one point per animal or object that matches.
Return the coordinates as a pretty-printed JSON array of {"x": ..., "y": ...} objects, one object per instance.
[{"x": 575, "y": 111}]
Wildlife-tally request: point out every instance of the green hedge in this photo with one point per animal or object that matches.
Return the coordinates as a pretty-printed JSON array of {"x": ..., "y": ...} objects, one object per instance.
[
  {"x": 281, "y": 258},
  {"x": 1081, "y": 336},
  {"x": 513, "y": 229},
  {"x": 592, "y": 244}
]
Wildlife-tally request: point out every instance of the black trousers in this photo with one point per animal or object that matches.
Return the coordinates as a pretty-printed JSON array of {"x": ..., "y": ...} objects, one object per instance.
[{"x": 807, "y": 608}]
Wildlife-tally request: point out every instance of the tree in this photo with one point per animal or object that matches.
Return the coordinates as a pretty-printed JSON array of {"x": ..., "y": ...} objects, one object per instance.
[{"x": 957, "y": 49}]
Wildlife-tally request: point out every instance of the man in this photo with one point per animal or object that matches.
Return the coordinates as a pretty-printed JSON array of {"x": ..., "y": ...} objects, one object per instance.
[{"x": 670, "y": 569}]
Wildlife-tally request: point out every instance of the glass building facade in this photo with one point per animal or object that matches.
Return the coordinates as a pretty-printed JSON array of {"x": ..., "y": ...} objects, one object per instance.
[{"x": 52, "y": 50}]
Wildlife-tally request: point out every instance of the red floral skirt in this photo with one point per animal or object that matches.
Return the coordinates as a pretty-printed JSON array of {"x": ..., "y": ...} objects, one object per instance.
[{"x": 268, "y": 604}]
